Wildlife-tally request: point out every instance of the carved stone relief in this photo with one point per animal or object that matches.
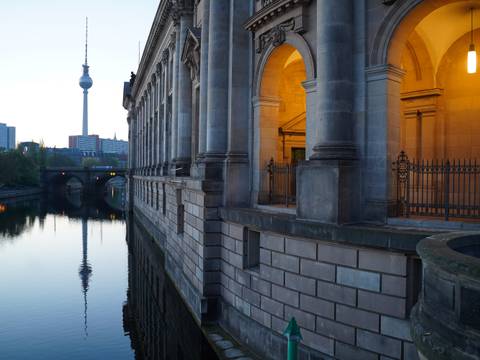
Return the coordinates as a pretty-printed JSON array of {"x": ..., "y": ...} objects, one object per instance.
[{"x": 275, "y": 36}]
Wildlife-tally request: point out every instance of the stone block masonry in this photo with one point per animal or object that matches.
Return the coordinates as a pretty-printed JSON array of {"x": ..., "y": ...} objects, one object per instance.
[{"x": 351, "y": 302}]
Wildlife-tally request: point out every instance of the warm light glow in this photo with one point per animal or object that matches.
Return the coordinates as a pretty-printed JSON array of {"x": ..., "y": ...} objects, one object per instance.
[
  {"x": 472, "y": 54},
  {"x": 472, "y": 60},
  {"x": 292, "y": 58}
]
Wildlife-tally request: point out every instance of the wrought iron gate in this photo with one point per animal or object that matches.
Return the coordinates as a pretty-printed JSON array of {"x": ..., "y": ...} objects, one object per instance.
[
  {"x": 450, "y": 189},
  {"x": 282, "y": 183}
]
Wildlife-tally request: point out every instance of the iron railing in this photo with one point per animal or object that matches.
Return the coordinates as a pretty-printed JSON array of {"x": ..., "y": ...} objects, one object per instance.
[
  {"x": 450, "y": 189},
  {"x": 282, "y": 183}
]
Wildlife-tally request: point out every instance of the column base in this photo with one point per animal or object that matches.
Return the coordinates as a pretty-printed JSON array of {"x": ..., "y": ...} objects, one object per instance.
[
  {"x": 211, "y": 167},
  {"x": 165, "y": 167},
  {"x": 328, "y": 191},
  {"x": 335, "y": 151},
  {"x": 378, "y": 210},
  {"x": 182, "y": 167},
  {"x": 237, "y": 180}
]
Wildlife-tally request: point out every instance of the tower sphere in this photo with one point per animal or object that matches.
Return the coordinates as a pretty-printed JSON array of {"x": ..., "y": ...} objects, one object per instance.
[{"x": 85, "y": 81}]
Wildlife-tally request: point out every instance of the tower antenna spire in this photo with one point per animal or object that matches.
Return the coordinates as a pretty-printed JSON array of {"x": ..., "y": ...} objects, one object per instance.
[
  {"x": 86, "y": 39},
  {"x": 85, "y": 83}
]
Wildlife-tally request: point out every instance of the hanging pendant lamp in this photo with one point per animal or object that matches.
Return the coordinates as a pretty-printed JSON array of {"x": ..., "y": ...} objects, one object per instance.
[{"x": 472, "y": 54}]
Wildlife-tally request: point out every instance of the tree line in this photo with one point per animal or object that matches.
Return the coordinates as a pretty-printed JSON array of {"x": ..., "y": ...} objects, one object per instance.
[{"x": 22, "y": 168}]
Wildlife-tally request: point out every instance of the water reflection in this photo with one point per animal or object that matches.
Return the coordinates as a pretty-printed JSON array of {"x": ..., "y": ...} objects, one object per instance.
[
  {"x": 123, "y": 307},
  {"x": 63, "y": 276},
  {"x": 20, "y": 215},
  {"x": 85, "y": 271},
  {"x": 16, "y": 218},
  {"x": 158, "y": 322}
]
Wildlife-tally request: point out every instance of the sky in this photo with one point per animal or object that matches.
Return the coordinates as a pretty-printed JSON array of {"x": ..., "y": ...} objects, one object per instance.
[{"x": 41, "y": 56}]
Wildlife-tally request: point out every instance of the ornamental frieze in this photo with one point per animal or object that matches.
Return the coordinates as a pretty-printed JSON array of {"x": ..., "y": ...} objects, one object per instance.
[{"x": 275, "y": 36}]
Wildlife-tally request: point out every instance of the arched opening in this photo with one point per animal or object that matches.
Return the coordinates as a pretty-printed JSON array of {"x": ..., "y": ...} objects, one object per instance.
[
  {"x": 281, "y": 124},
  {"x": 434, "y": 127},
  {"x": 65, "y": 183},
  {"x": 114, "y": 191}
]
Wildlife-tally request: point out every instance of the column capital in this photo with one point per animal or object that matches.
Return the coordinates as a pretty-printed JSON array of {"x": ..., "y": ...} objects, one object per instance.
[
  {"x": 165, "y": 56},
  {"x": 310, "y": 86},
  {"x": 385, "y": 72},
  {"x": 270, "y": 101},
  {"x": 173, "y": 40}
]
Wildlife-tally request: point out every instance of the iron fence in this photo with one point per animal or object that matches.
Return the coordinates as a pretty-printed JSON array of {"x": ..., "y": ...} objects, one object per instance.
[
  {"x": 449, "y": 189},
  {"x": 282, "y": 183}
]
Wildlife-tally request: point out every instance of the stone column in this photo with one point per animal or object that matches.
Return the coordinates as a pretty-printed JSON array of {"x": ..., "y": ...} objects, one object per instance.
[
  {"x": 383, "y": 140},
  {"x": 310, "y": 87},
  {"x": 132, "y": 122},
  {"x": 149, "y": 128},
  {"x": 265, "y": 117},
  {"x": 202, "y": 122},
  {"x": 159, "y": 118},
  {"x": 237, "y": 183},
  {"x": 328, "y": 185},
  {"x": 151, "y": 149},
  {"x": 217, "y": 102},
  {"x": 144, "y": 134},
  {"x": 166, "y": 120},
  {"x": 141, "y": 135},
  {"x": 184, "y": 100},
  {"x": 175, "y": 48}
]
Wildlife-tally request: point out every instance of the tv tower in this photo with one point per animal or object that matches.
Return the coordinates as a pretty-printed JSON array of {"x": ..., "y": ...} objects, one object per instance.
[{"x": 85, "y": 83}]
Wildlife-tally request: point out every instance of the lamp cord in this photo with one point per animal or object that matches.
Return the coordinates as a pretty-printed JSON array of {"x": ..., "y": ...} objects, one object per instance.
[{"x": 471, "y": 26}]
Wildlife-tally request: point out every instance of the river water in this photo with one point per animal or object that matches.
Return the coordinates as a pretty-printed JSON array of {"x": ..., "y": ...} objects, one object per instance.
[{"x": 79, "y": 281}]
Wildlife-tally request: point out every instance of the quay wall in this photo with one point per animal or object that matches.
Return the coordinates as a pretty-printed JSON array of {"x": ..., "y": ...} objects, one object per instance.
[
  {"x": 16, "y": 193},
  {"x": 350, "y": 288}
]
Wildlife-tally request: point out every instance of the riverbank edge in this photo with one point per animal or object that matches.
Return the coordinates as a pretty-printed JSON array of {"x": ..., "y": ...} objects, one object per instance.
[
  {"x": 10, "y": 194},
  {"x": 223, "y": 343}
]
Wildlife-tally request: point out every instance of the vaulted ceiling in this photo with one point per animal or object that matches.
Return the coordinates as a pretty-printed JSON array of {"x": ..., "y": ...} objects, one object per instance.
[{"x": 441, "y": 28}]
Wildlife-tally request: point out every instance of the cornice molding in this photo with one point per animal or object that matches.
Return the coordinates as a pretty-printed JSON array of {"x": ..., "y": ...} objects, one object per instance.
[
  {"x": 268, "y": 13},
  {"x": 162, "y": 17}
]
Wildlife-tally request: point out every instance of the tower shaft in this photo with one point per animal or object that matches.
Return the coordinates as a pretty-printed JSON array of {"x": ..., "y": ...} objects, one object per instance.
[{"x": 85, "y": 113}]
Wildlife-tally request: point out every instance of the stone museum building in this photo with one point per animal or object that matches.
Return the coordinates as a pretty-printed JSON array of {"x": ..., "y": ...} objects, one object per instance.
[{"x": 288, "y": 155}]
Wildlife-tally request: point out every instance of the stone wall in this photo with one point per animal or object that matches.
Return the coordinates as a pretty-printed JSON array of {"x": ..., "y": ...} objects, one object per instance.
[
  {"x": 349, "y": 300},
  {"x": 174, "y": 216}
]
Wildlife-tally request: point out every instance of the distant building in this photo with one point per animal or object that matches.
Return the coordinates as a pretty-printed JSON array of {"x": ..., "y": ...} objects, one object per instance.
[
  {"x": 28, "y": 146},
  {"x": 114, "y": 146},
  {"x": 93, "y": 144},
  {"x": 7, "y": 137},
  {"x": 89, "y": 143}
]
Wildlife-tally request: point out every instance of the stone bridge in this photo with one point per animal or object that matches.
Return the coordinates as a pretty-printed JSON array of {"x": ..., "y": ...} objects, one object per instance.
[{"x": 92, "y": 179}]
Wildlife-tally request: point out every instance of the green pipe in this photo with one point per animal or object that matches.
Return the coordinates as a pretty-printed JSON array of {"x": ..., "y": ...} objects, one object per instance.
[{"x": 292, "y": 332}]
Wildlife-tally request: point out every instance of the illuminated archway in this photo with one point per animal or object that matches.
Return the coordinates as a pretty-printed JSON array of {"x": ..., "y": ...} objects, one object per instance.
[
  {"x": 406, "y": 107},
  {"x": 438, "y": 96},
  {"x": 281, "y": 117}
]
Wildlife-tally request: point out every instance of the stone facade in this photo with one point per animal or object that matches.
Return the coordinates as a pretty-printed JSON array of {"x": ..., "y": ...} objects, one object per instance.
[
  {"x": 347, "y": 297},
  {"x": 203, "y": 114}
]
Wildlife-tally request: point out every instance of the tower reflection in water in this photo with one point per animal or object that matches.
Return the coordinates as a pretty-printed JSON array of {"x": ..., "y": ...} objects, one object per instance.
[
  {"x": 158, "y": 322},
  {"x": 85, "y": 272}
]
